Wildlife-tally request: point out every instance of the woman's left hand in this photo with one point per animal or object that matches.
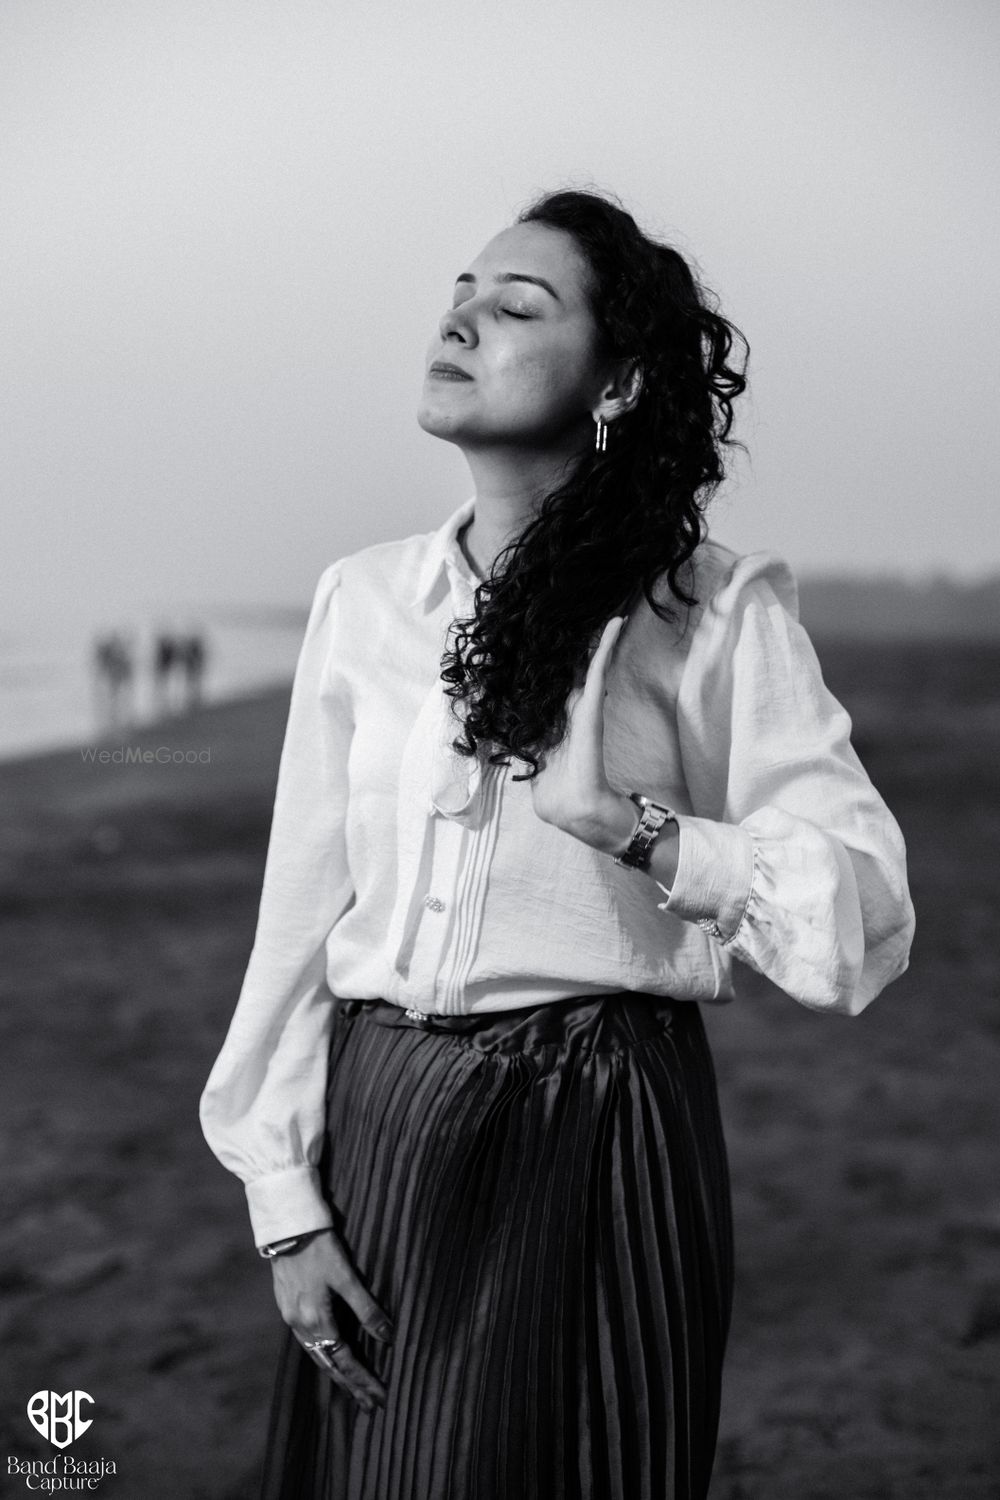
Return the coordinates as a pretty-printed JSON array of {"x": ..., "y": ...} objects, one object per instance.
[{"x": 573, "y": 792}]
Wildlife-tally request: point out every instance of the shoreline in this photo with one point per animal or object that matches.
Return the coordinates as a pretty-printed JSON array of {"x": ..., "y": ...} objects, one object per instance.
[{"x": 179, "y": 726}]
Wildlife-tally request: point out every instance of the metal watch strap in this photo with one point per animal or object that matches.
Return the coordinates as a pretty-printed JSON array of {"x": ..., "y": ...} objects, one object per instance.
[{"x": 652, "y": 817}]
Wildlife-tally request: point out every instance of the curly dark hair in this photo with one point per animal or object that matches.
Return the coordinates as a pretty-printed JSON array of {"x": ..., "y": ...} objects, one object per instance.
[{"x": 622, "y": 518}]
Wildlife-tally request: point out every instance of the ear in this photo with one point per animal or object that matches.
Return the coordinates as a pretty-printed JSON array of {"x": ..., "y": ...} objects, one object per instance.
[{"x": 621, "y": 392}]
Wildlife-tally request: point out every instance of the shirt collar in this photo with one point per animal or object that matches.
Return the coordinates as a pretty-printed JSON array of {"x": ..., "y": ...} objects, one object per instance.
[{"x": 443, "y": 550}]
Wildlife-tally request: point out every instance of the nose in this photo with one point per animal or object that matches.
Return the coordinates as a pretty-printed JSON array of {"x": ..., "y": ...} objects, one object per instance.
[{"x": 458, "y": 326}]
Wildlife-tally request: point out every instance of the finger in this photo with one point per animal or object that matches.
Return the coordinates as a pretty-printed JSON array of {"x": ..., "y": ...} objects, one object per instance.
[
  {"x": 359, "y": 1380},
  {"x": 597, "y": 669},
  {"x": 342, "y": 1365},
  {"x": 324, "y": 1361},
  {"x": 348, "y": 1284}
]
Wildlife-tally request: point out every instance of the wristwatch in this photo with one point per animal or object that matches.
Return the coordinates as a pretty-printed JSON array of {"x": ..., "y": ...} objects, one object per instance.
[{"x": 652, "y": 817}]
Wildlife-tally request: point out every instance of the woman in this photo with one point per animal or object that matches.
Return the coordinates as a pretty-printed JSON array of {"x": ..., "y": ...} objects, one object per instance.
[{"x": 547, "y": 771}]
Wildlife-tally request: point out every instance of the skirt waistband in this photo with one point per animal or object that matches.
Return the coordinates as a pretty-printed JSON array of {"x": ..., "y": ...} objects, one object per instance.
[{"x": 610, "y": 1022}]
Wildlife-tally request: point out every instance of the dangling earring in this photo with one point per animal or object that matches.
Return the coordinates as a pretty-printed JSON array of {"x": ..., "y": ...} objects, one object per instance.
[{"x": 601, "y": 435}]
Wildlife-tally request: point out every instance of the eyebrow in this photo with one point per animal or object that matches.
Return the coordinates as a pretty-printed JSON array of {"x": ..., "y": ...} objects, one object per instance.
[{"x": 508, "y": 276}]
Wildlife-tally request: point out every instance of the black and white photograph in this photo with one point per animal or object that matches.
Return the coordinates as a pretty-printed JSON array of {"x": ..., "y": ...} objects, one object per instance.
[{"x": 499, "y": 728}]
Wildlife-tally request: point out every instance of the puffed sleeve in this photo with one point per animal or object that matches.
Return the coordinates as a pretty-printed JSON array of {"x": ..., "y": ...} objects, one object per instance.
[
  {"x": 262, "y": 1109},
  {"x": 792, "y": 859}
]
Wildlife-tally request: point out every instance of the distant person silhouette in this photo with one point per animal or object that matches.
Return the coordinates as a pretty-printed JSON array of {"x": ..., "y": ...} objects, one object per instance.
[
  {"x": 113, "y": 679},
  {"x": 179, "y": 661},
  {"x": 191, "y": 659},
  {"x": 164, "y": 660}
]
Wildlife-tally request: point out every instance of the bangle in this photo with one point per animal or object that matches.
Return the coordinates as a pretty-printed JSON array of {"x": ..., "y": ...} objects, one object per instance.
[
  {"x": 281, "y": 1247},
  {"x": 652, "y": 817}
]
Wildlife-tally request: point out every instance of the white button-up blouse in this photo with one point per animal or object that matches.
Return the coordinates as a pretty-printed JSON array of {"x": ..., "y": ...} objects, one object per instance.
[{"x": 397, "y": 868}]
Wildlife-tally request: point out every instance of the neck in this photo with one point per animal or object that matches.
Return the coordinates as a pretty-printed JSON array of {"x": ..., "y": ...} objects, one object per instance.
[{"x": 509, "y": 489}]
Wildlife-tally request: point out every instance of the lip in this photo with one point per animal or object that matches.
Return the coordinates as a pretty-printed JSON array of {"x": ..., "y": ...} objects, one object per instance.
[{"x": 442, "y": 367}]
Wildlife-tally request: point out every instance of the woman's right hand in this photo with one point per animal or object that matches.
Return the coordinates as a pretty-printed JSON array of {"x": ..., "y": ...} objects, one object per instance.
[{"x": 303, "y": 1281}]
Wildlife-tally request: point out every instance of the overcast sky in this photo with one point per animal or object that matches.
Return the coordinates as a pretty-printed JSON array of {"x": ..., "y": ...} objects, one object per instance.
[{"x": 228, "y": 229}]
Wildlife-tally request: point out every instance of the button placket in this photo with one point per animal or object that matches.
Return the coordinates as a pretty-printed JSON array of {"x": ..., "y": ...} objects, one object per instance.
[{"x": 435, "y": 911}]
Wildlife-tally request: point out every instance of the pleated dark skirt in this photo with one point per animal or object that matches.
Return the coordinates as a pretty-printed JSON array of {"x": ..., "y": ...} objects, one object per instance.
[{"x": 540, "y": 1201}]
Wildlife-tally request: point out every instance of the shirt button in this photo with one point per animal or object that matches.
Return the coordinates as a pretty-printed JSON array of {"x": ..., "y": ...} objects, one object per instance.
[{"x": 434, "y": 903}]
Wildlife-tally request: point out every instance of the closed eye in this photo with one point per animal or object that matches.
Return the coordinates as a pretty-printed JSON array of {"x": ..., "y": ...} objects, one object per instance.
[{"x": 512, "y": 314}]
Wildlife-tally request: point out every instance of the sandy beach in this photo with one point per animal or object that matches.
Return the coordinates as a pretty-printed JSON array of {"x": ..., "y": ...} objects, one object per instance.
[{"x": 864, "y": 1354}]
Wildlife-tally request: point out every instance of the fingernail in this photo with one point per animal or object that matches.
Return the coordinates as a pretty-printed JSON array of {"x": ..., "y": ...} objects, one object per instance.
[{"x": 385, "y": 1332}]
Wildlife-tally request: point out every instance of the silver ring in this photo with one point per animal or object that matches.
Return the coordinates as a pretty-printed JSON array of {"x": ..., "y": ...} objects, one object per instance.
[{"x": 325, "y": 1346}]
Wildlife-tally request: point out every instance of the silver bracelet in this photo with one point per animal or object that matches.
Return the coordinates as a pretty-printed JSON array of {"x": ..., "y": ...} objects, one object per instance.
[
  {"x": 281, "y": 1247},
  {"x": 652, "y": 817}
]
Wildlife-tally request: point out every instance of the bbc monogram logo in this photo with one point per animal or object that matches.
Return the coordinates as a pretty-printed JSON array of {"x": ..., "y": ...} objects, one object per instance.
[{"x": 58, "y": 1417}]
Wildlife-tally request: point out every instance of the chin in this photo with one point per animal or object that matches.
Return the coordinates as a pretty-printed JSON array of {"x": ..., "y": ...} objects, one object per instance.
[{"x": 438, "y": 423}]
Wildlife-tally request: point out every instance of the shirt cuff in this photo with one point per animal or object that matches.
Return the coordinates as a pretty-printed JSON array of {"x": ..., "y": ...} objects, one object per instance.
[
  {"x": 714, "y": 880},
  {"x": 287, "y": 1203}
]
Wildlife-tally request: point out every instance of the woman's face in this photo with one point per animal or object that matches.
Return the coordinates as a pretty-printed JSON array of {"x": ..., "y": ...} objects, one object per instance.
[{"x": 521, "y": 333}]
